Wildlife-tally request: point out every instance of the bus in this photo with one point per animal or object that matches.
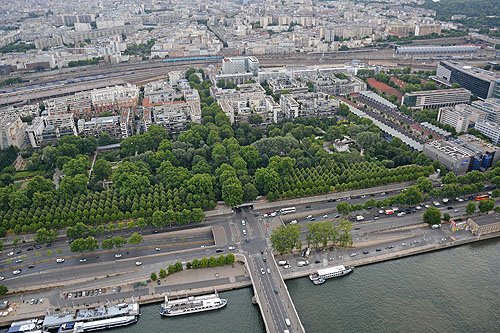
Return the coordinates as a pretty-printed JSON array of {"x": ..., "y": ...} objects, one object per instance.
[
  {"x": 287, "y": 210},
  {"x": 482, "y": 197}
]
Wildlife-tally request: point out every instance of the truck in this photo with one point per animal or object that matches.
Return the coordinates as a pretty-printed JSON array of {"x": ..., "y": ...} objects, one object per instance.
[
  {"x": 303, "y": 263},
  {"x": 283, "y": 262},
  {"x": 389, "y": 212}
]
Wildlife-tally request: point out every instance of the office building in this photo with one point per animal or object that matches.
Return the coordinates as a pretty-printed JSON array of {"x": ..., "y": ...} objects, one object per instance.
[
  {"x": 461, "y": 116},
  {"x": 433, "y": 99},
  {"x": 484, "y": 84}
]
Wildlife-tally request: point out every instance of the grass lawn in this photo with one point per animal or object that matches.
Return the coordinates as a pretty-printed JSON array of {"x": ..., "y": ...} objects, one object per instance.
[{"x": 27, "y": 174}]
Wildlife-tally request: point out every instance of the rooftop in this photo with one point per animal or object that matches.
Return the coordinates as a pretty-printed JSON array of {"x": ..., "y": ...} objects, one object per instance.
[{"x": 487, "y": 219}]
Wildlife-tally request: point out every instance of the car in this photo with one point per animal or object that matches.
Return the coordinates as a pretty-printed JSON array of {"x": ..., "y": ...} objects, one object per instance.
[
  {"x": 363, "y": 196},
  {"x": 31, "y": 266},
  {"x": 262, "y": 270},
  {"x": 312, "y": 219},
  {"x": 366, "y": 252},
  {"x": 17, "y": 271},
  {"x": 48, "y": 245},
  {"x": 264, "y": 259},
  {"x": 403, "y": 244},
  {"x": 460, "y": 200},
  {"x": 325, "y": 216},
  {"x": 246, "y": 240},
  {"x": 449, "y": 208},
  {"x": 436, "y": 203},
  {"x": 356, "y": 228},
  {"x": 83, "y": 260},
  {"x": 231, "y": 248},
  {"x": 354, "y": 254},
  {"x": 157, "y": 249},
  {"x": 418, "y": 207},
  {"x": 390, "y": 246},
  {"x": 268, "y": 271},
  {"x": 118, "y": 255},
  {"x": 401, "y": 214},
  {"x": 381, "y": 211},
  {"x": 317, "y": 261},
  {"x": 32, "y": 301},
  {"x": 29, "y": 249},
  {"x": 219, "y": 250},
  {"x": 331, "y": 259},
  {"x": 18, "y": 261},
  {"x": 100, "y": 291},
  {"x": 243, "y": 222},
  {"x": 155, "y": 231},
  {"x": 273, "y": 214},
  {"x": 378, "y": 250},
  {"x": 318, "y": 250},
  {"x": 60, "y": 260},
  {"x": 456, "y": 210},
  {"x": 308, "y": 217},
  {"x": 276, "y": 290},
  {"x": 19, "y": 252},
  {"x": 286, "y": 266},
  {"x": 138, "y": 263},
  {"x": 244, "y": 232},
  {"x": 324, "y": 249},
  {"x": 10, "y": 254},
  {"x": 337, "y": 216},
  {"x": 2, "y": 278},
  {"x": 308, "y": 206},
  {"x": 331, "y": 248},
  {"x": 383, "y": 193},
  {"x": 158, "y": 282}
]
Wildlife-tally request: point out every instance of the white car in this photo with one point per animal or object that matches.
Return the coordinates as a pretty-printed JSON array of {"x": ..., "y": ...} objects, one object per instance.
[
  {"x": 427, "y": 206},
  {"x": 157, "y": 249},
  {"x": 118, "y": 255},
  {"x": 231, "y": 248},
  {"x": 16, "y": 272},
  {"x": 262, "y": 271},
  {"x": 60, "y": 260},
  {"x": 268, "y": 271},
  {"x": 244, "y": 232},
  {"x": 273, "y": 214},
  {"x": 2, "y": 278},
  {"x": 138, "y": 263},
  {"x": 436, "y": 203},
  {"x": 403, "y": 244},
  {"x": 325, "y": 216},
  {"x": 243, "y": 222},
  {"x": 83, "y": 260},
  {"x": 354, "y": 254},
  {"x": 287, "y": 266},
  {"x": 10, "y": 254},
  {"x": 381, "y": 211},
  {"x": 418, "y": 207}
]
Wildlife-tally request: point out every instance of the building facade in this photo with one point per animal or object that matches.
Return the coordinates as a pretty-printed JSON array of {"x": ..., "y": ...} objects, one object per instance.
[{"x": 433, "y": 99}]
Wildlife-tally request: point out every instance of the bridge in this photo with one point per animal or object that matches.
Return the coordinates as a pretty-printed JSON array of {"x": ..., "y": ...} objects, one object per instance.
[{"x": 270, "y": 291}]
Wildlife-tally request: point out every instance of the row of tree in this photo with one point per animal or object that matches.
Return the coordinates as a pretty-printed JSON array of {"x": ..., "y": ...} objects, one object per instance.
[{"x": 91, "y": 244}]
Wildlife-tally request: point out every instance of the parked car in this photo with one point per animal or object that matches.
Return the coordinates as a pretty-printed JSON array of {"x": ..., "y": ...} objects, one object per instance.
[
  {"x": 60, "y": 260},
  {"x": 83, "y": 260},
  {"x": 138, "y": 263},
  {"x": 118, "y": 255}
]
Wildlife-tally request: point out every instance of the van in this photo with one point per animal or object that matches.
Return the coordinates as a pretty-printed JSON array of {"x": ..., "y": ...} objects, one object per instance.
[
  {"x": 293, "y": 222},
  {"x": 303, "y": 263},
  {"x": 359, "y": 218},
  {"x": 287, "y": 322}
]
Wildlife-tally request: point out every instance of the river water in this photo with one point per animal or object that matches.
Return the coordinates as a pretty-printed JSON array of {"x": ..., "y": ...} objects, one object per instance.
[{"x": 453, "y": 290}]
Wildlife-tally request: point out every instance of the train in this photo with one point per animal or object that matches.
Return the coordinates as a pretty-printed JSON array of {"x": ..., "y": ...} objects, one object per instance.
[{"x": 193, "y": 59}]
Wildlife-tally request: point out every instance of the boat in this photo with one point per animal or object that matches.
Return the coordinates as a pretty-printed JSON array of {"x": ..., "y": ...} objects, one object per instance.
[
  {"x": 327, "y": 273},
  {"x": 192, "y": 304},
  {"x": 31, "y": 325},
  {"x": 92, "y": 319}
]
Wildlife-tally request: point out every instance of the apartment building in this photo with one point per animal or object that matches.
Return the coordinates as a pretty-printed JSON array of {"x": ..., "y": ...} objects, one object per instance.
[
  {"x": 289, "y": 108},
  {"x": 160, "y": 92},
  {"x": 96, "y": 126},
  {"x": 491, "y": 130},
  {"x": 461, "y": 116},
  {"x": 115, "y": 98},
  {"x": 239, "y": 65},
  {"x": 427, "y": 29},
  {"x": 48, "y": 129},
  {"x": 492, "y": 108},
  {"x": 171, "y": 116},
  {"x": 433, "y": 99},
  {"x": 12, "y": 132}
]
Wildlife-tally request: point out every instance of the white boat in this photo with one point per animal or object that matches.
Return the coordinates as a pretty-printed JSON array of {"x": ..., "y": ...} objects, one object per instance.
[
  {"x": 331, "y": 272},
  {"x": 192, "y": 304}
]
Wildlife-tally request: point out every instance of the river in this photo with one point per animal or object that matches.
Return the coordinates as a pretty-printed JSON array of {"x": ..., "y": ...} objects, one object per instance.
[{"x": 452, "y": 290}]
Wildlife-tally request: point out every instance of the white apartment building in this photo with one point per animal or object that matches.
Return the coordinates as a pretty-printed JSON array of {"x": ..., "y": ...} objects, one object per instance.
[
  {"x": 492, "y": 108},
  {"x": 460, "y": 116},
  {"x": 47, "y": 129},
  {"x": 491, "y": 130},
  {"x": 289, "y": 108},
  {"x": 239, "y": 65},
  {"x": 171, "y": 116},
  {"x": 96, "y": 126}
]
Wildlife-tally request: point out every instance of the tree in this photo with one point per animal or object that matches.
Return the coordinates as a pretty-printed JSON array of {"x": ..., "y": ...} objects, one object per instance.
[
  {"x": 153, "y": 276},
  {"x": 486, "y": 205},
  {"x": 43, "y": 235},
  {"x": 163, "y": 273},
  {"x": 470, "y": 208},
  {"x": 446, "y": 217},
  {"x": 158, "y": 219},
  {"x": 107, "y": 244},
  {"x": 3, "y": 290},
  {"x": 432, "y": 216},
  {"x": 424, "y": 184},
  {"x": 229, "y": 259},
  {"x": 171, "y": 269},
  {"x": 232, "y": 192},
  {"x": 343, "y": 208},
  {"x": 196, "y": 263},
  {"x": 119, "y": 241},
  {"x": 204, "y": 262},
  {"x": 101, "y": 170},
  {"x": 178, "y": 266},
  {"x": 135, "y": 239},
  {"x": 221, "y": 260},
  {"x": 412, "y": 195},
  {"x": 286, "y": 238}
]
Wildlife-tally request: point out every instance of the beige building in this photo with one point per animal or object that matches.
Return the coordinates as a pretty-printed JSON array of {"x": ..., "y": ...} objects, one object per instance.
[
  {"x": 485, "y": 224},
  {"x": 427, "y": 29},
  {"x": 12, "y": 131}
]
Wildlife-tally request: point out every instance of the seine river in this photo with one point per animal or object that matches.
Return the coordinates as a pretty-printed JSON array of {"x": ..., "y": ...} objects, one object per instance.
[{"x": 453, "y": 290}]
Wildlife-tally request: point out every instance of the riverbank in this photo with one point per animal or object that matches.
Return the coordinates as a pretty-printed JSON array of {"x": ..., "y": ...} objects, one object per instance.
[{"x": 197, "y": 282}]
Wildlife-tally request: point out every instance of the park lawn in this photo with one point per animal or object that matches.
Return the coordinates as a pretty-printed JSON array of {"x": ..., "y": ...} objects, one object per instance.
[{"x": 27, "y": 174}]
